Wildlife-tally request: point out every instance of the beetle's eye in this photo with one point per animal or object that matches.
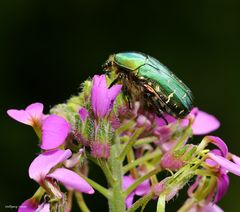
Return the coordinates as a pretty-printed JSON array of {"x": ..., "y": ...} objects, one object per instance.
[{"x": 110, "y": 63}]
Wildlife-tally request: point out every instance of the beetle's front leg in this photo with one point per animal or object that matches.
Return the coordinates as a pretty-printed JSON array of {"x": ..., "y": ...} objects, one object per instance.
[{"x": 115, "y": 81}]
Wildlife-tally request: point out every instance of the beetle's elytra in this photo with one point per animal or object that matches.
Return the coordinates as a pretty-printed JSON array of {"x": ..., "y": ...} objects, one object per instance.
[{"x": 148, "y": 81}]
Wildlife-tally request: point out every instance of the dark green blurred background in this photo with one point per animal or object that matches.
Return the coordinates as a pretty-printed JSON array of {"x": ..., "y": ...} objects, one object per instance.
[{"x": 48, "y": 48}]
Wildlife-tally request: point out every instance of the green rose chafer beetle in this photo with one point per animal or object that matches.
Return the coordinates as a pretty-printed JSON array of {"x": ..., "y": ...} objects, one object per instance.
[{"x": 148, "y": 81}]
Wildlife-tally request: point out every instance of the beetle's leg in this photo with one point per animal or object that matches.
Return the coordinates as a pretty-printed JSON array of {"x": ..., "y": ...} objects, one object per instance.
[
  {"x": 119, "y": 78},
  {"x": 113, "y": 82},
  {"x": 159, "y": 112},
  {"x": 160, "y": 115},
  {"x": 155, "y": 101},
  {"x": 128, "y": 97}
]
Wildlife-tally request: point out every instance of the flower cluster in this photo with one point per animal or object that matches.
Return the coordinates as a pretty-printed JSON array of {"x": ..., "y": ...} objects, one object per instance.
[{"x": 131, "y": 146}]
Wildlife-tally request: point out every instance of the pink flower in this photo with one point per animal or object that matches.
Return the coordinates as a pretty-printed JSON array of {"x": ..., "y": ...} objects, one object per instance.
[
  {"x": 235, "y": 159},
  {"x": 141, "y": 190},
  {"x": 55, "y": 130},
  {"x": 225, "y": 163},
  {"x": 102, "y": 98},
  {"x": 32, "y": 115},
  {"x": 220, "y": 158},
  {"x": 29, "y": 205},
  {"x": 205, "y": 207},
  {"x": 40, "y": 171},
  {"x": 52, "y": 129},
  {"x": 203, "y": 123}
]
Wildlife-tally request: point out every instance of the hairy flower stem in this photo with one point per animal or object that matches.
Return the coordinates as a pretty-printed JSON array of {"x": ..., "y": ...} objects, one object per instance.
[
  {"x": 131, "y": 159},
  {"x": 39, "y": 193},
  {"x": 130, "y": 143},
  {"x": 141, "y": 202},
  {"x": 149, "y": 156},
  {"x": 140, "y": 180},
  {"x": 68, "y": 206},
  {"x": 116, "y": 201},
  {"x": 105, "y": 168},
  {"x": 96, "y": 186},
  {"x": 81, "y": 202},
  {"x": 187, "y": 133},
  {"x": 142, "y": 141}
]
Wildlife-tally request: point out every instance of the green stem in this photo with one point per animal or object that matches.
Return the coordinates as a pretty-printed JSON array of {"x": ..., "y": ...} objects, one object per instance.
[
  {"x": 186, "y": 134},
  {"x": 140, "y": 180},
  {"x": 105, "y": 168},
  {"x": 116, "y": 201},
  {"x": 187, "y": 205},
  {"x": 38, "y": 194},
  {"x": 125, "y": 127},
  {"x": 147, "y": 140},
  {"x": 146, "y": 157},
  {"x": 69, "y": 201},
  {"x": 130, "y": 143},
  {"x": 81, "y": 202},
  {"x": 142, "y": 201},
  {"x": 105, "y": 192},
  {"x": 161, "y": 203},
  {"x": 131, "y": 159}
]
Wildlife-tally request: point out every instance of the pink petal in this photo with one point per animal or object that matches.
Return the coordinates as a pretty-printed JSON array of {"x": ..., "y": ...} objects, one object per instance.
[
  {"x": 192, "y": 188},
  {"x": 102, "y": 98},
  {"x": 54, "y": 132},
  {"x": 226, "y": 164},
  {"x": 129, "y": 200},
  {"x": 211, "y": 208},
  {"x": 143, "y": 188},
  {"x": 99, "y": 97},
  {"x": 205, "y": 208},
  {"x": 160, "y": 122},
  {"x": 127, "y": 181},
  {"x": 168, "y": 146},
  {"x": 35, "y": 110},
  {"x": 83, "y": 113},
  {"x": 204, "y": 123},
  {"x": 29, "y": 116},
  {"x": 71, "y": 180},
  {"x": 44, "y": 207},
  {"x": 29, "y": 205},
  {"x": 43, "y": 163},
  {"x": 236, "y": 159},
  {"x": 219, "y": 143},
  {"x": 113, "y": 92},
  {"x": 222, "y": 186}
]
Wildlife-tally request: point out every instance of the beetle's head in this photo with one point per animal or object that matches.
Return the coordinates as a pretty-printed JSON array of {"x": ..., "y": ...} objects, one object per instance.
[{"x": 109, "y": 64}]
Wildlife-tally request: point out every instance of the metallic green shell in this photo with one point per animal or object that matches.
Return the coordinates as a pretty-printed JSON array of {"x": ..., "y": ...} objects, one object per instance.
[
  {"x": 176, "y": 96},
  {"x": 130, "y": 60}
]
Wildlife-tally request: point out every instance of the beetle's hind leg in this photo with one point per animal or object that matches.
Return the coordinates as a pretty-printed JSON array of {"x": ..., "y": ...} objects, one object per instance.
[
  {"x": 158, "y": 110},
  {"x": 155, "y": 103},
  {"x": 160, "y": 115}
]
